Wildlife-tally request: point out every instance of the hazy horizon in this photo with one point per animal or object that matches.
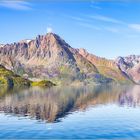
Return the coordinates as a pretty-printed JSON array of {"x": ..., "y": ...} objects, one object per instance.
[{"x": 104, "y": 28}]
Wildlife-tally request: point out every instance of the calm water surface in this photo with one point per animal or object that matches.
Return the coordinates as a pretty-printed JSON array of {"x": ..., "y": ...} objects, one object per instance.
[{"x": 101, "y": 112}]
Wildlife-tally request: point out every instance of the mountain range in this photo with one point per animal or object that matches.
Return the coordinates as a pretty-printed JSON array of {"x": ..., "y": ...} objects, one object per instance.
[{"x": 50, "y": 57}]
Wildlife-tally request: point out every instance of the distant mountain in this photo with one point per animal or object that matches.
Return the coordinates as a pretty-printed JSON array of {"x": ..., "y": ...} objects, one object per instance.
[
  {"x": 50, "y": 57},
  {"x": 106, "y": 67},
  {"x": 130, "y": 65}
]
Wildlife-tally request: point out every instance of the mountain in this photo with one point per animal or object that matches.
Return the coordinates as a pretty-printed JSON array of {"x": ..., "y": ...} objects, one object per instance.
[
  {"x": 106, "y": 67},
  {"x": 50, "y": 57},
  {"x": 130, "y": 65}
]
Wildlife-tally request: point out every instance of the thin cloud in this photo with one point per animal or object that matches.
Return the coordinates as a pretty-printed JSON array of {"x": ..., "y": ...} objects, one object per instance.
[
  {"x": 95, "y": 5},
  {"x": 112, "y": 29},
  {"x": 106, "y": 19},
  {"x": 87, "y": 25},
  {"x": 79, "y": 19},
  {"x": 88, "y": 22},
  {"x": 97, "y": 17},
  {"x": 17, "y": 5},
  {"x": 135, "y": 27}
]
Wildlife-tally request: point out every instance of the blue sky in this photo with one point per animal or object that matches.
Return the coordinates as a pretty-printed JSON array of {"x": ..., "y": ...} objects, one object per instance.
[{"x": 107, "y": 28}]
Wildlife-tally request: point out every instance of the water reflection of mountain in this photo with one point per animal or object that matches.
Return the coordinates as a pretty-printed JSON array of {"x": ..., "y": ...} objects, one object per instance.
[
  {"x": 130, "y": 97},
  {"x": 51, "y": 104}
]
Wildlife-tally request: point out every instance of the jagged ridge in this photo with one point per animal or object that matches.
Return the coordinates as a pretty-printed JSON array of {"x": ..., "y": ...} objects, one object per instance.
[{"x": 50, "y": 57}]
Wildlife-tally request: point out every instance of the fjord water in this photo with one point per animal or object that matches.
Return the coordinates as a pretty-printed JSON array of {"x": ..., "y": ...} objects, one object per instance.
[{"x": 99, "y": 112}]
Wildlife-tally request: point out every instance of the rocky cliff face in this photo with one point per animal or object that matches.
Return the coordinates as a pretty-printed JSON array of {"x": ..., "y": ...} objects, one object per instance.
[
  {"x": 130, "y": 66},
  {"x": 47, "y": 56},
  {"x": 50, "y": 57},
  {"x": 106, "y": 67}
]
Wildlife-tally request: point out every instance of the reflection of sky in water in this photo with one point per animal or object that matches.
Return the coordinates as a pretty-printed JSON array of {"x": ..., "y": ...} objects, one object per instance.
[
  {"x": 95, "y": 112},
  {"x": 107, "y": 121}
]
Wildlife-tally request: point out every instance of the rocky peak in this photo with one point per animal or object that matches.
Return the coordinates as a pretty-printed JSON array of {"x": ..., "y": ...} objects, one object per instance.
[
  {"x": 97, "y": 61},
  {"x": 83, "y": 51},
  {"x": 49, "y": 56},
  {"x": 131, "y": 66},
  {"x": 58, "y": 39},
  {"x": 129, "y": 61}
]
